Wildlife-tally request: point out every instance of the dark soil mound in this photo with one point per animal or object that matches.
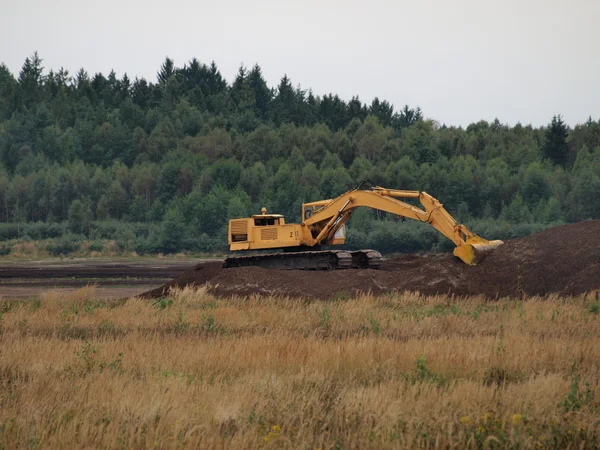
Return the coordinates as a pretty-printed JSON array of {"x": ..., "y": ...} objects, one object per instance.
[{"x": 563, "y": 260}]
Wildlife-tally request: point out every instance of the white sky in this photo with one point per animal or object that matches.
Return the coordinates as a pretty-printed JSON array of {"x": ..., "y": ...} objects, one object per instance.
[{"x": 459, "y": 60}]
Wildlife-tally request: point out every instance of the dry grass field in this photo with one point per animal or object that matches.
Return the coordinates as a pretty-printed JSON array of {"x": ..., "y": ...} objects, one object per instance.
[{"x": 398, "y": 371}]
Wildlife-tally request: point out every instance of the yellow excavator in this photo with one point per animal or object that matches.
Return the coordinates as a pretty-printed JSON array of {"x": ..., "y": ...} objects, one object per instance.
[{"x": 324, "y": 222}]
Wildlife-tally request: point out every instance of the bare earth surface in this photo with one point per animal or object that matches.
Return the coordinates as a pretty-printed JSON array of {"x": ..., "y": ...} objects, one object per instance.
[
  {"x": 115, "y": 279},
  {"x": 564, "y": 260}
]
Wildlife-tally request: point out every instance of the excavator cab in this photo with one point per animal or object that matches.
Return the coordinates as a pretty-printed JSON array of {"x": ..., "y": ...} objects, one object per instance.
[
  {"x": 308, "y": 209},
  {"x": 263, "y": 231}
]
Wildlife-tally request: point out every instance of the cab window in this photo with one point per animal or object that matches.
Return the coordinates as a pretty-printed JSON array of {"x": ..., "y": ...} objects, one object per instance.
[
  {"x": 264, "y": 222},
  {"x": 308, "y": 211}
]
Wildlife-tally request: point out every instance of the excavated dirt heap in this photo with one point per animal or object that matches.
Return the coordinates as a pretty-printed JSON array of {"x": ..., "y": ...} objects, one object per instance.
[{"x": 564, "y": 260}]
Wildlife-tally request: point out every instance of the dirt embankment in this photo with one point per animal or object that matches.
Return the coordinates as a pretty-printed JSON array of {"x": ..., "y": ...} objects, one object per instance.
[{"x": 563, "y": 260}]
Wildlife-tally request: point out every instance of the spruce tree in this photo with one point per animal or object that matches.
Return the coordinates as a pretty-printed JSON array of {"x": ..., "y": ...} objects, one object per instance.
[
  {"x": 216, "y": 82},
  {"x": 555, "y": 146},
  {"x": 382, "y": 110},
  {"x": 166, "y": 70},
  {"x": 262, "y": 93},
  {"x": 238, "y": 84},
  {"x": 356, "y": 110},
  {"x": 283, "y": 103},
  {"x": 30, "y": 79},
  {"x": 193, "y": 73},
  {"x": 7, "y": 92}
]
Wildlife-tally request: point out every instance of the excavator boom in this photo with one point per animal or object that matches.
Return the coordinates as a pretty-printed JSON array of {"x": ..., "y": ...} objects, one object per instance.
[
  {"x": 470, "y": 248},
  {"x": 324, "y": 224}
]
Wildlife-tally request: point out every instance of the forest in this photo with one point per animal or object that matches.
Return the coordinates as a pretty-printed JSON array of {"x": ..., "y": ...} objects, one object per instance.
[{"x": 160, "y": 167}]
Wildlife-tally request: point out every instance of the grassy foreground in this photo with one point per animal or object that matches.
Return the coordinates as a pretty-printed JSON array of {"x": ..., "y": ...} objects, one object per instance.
[{"x": 401, "y": 371}]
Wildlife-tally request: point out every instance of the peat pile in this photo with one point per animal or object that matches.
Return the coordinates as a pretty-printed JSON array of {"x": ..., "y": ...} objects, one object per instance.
[{"x": 563, "y": 260}]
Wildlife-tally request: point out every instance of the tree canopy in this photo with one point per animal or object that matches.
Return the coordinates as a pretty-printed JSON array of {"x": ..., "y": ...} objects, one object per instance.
[{"x": 186, "y": 153}]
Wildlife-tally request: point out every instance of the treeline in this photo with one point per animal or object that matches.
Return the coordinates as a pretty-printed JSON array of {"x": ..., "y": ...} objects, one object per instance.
[{"x": 168, "y": 163}]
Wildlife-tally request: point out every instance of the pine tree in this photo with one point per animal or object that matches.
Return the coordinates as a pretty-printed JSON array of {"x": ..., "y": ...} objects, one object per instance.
[
  {"x": 312, "y": 109},
  {"x": 98, "y": 84},
  {"x": 216, "y": 82},
  {"x": 167, "y": 69},
  {"x": 238, "y": 85},
  {"x": 283, "y": 104},
  {"x": 334, "y": 112},
  {"x": 7, "y": 92},
  {"x": 30, "y": 79},
  {"x": 82, "y": 84},
  {"x": 51, "y": 84},
  {"x": 356, "y": 110},
  {"x": 195, "y": 78},
  {"x": 555, "y": 146},
  {"x": 141, "y": 92},
  {"x": 242, "y": 97},
  {"x": 63, "y": 78},
  {"x": 124, "y": 87},
  {"x": 407, "y": 117},
  {"x": 262, "y": 93},
  {"x": 382, "y": 110},
  {"x": 81, "y": 79}
]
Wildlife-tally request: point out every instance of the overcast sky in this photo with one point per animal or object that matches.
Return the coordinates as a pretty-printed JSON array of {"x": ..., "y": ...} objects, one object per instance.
[{"x": 459, "y": 60}]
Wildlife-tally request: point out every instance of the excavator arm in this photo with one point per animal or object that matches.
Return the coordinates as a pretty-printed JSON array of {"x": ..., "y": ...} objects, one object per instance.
[
  {"x": 323, "y": 219},
  {"x": 324, "y": 223}
]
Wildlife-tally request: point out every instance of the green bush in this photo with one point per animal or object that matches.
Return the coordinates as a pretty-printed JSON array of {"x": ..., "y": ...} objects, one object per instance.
[
  {"x": 69, "y": 243},
  {"x": 10, "y": 231},
  {"x": 5, "y": 248},
  {"x": 147, "y": 245},
  {"x": 97, "y": 246}
]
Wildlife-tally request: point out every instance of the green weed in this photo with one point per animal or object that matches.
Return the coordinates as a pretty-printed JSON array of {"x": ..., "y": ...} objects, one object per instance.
[
  {"x": 325, "y": 318},
  {"x": 577, "y": 397},
  {"x": 163, "y": 302}
]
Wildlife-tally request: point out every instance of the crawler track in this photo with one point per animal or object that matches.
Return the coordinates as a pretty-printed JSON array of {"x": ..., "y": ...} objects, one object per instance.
[{"x": 318, "y": 260}]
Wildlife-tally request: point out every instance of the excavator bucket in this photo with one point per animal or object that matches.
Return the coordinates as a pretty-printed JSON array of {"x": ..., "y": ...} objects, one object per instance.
[{"x": 475, "y": 250}]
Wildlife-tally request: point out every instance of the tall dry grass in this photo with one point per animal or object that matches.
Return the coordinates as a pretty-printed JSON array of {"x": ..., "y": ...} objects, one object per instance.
[{"x": 399, "y": 371}]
